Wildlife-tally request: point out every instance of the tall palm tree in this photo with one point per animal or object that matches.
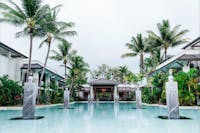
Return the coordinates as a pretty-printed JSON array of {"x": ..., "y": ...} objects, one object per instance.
[
  {"x": 167, "y": 36},
  {"x": 138, "y": 46},
  {"x": 54, "y": 30},
  {"x": 30, "y": 15},
  {"x": 64, "y": 54}
]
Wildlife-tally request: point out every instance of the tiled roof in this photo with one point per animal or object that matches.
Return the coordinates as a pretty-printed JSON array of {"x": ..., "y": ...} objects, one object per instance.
[
  {"x": 193, "y": 43},
  {"x": 5, "y": 50},
  {"x": 38, "y": 65},
  {"x": 103, "y": 82}
]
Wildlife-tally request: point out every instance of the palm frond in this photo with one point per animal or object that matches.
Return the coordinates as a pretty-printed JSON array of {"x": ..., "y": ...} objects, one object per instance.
[
  {"x": 42, "y": 43},
  {"x": 128, "y": 55},
  {"x": 31, "y": 7}
]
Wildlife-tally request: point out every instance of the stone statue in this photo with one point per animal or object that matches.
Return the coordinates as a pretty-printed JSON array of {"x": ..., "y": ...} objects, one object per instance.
[
  {"x": 138, "y": 98},
  {"x": 172, "y": 97},
  {"x": 29, "y": 101}
]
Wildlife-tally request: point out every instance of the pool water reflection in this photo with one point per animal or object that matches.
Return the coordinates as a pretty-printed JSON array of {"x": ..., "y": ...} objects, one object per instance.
[{"x": 100, "y": 118}]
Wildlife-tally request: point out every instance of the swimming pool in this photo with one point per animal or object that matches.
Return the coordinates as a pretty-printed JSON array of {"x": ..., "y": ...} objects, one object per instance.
[{"x": 100, "y": 118}]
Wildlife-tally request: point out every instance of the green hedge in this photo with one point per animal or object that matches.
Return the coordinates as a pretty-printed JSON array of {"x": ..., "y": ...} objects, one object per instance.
[{"x": 11, "y": 93}]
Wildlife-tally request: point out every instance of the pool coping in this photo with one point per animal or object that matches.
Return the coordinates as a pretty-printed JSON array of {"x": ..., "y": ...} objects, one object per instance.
[
  {"x": 53, "y": 105},
  {"x": 37, "y": 106},
  {"x": 145, "y": 104}
]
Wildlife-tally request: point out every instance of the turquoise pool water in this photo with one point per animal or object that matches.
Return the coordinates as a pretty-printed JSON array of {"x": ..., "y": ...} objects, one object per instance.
[{"x": 100, "y": 118}]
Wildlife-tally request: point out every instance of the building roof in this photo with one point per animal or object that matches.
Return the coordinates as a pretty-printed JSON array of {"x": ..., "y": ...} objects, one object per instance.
[
  {"x": 179, "y": 60},
  {"x": 38, "y": 65},
  {"x": 6, "y": 50},
  {"x": 194, "y": 43},
  {"x": 103, "y": 82}
]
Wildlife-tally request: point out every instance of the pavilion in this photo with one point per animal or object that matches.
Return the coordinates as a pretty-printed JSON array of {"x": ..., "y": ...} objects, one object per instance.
[{"x": 106, "y": 90}]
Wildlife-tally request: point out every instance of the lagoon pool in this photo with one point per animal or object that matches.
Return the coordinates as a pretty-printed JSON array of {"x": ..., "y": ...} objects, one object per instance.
[{"x": 100, "y": 118}]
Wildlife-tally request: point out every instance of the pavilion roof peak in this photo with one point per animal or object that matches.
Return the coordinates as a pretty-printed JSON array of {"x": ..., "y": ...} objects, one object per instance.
[{"x": 103, "y": 82}]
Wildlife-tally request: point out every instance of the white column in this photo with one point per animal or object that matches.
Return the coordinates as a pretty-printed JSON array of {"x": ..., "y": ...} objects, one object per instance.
[
  {"x": 36, "y": 77},
  {"x": 91, "y": 94},
  {"x": 138, "y": 98},
  {"x": 23, "y": 76},
  {"x": 11, "y": 68},
  {"x": 66, "y": 98},
  {"x": 56, "y": 81},
  {"x": 30, "y": 93},
  {"x": 17, "y": 68},
  {"x": 116, "y": 98},
  {"x": 47, "y": 80},
  {"x": 172, "y": 98}
]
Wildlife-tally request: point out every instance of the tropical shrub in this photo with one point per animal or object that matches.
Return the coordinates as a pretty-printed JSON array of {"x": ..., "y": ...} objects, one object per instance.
[
  {"x": 188, "y": 88},
  {"x": 150, "y": 95},
  {"x": 11, "y": 93},
  {"x": 57, "y": 96},
  {"x": 45, "y": 96}
]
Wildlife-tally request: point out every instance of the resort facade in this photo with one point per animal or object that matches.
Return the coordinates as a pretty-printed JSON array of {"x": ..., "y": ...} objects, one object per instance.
[
  {"x": 188, "y": 58},
  {"x": 14, "y": 65}
]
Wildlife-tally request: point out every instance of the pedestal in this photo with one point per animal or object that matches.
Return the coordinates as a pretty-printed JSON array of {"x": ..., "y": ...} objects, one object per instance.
[
  {"x": 138, "y": 99},
  {"x": 172, "y": 100},
  {"x": 91, "y": 94},
  {"x": 116, "y": 97},
  {"x": 66, "y": 98},
  {"x": 30, "y": 93}
]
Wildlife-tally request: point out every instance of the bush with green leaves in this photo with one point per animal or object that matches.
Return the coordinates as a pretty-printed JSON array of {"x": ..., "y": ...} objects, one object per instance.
[
  {"x": 57, "y": 96},
  {"x": 188, "y": 88},
  {"x": 11, "y": 93},
  {"x": 51, "y": 94},
  {"x": 151, "y": 95}
]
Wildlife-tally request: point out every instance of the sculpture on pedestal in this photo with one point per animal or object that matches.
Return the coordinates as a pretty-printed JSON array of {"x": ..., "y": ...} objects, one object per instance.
[
  {"x": 66, "y": 98},
  {"x": 172, "y": 97},
  {"x": 138, "y": 98},
  {"x": 29, "y": 101}
]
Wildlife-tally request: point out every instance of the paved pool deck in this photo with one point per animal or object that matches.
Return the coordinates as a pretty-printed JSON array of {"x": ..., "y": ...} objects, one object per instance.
[{"x": 52, "y": 105}]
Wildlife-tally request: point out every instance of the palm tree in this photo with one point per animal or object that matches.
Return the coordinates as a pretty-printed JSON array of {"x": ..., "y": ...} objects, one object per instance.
[
  {"x": 123, "y": 71},
  {"x": 168, "y": 37},
  {"x": 153, "y": 60},
  {"x": 77, "y": 72},
  {"x": 54, "y": 30},
  {"x": 138, "y": 46},
  {"x": 30, "y": 15},
  {"x": 64, "y": 54}
]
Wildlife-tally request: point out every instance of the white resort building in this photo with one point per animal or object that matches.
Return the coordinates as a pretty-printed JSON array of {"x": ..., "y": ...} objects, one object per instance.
[
  {"x": 14, "y": 64},
  {"x": 188, "y": 58}
]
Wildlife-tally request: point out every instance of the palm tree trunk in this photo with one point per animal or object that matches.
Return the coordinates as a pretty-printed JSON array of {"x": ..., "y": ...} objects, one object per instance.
[
  {"x": 165, "y": 53},
  {"x": 65, "y": 71},
  {"x": 30, "y": 56},
  {"x": 45, "y": 63},
  {"x": 141, "y": 62},
  {"x": 65, "y": 76},
  {"x": 71, "y": 86},
  {"x": 43, "y": 70}
]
